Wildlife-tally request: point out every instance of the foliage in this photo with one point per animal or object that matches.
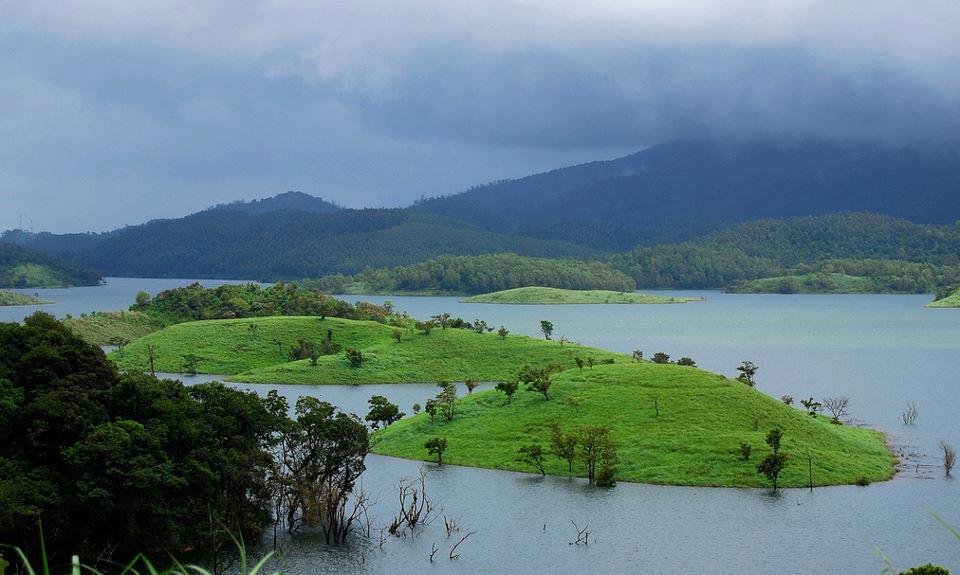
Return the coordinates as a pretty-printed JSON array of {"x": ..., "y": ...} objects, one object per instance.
[
  {"x": 481, "y": 274},
  {"x": 532, "y": 454},
  {"x": 382, "y": 412},
  {"x": 22, "y": 267},
  {"x": 508, "y": 387},
  {"x": 436, "y": 446},
  {"x": 102, "y": 328},
  {"x": 748, "y": 373},
  {"x": 660, "y": 357},
  {"x": 537, "y": 295}
]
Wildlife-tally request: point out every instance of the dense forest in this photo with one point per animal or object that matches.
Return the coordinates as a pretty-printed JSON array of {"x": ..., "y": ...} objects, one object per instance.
[
  {"x": 117, "y": 464},
  {"x": 855, "y": 276},
  {"x": 480, "y": 274},
  {"x": 26, "y": 268},
  {"x": 678, "y": 190}
]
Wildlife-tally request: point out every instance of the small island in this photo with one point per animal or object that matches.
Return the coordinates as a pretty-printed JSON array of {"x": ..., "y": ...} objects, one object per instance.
[
  {"x": 946, "y": 298},
  {"x": 12, "y": 298},
  {"x": 536, "y": 295}
]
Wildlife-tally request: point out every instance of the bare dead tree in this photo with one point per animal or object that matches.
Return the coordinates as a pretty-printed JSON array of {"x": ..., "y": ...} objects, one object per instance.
[
  {"x": 451, "y": 525},
  {"x": 416, "y": 508},
  {"x": 434, "y": 551},
  {"x": 837, "y": 406},
  {"x": 949, "y": 456},
  {"x": 453, "y": 554},
  {"x": 583, "y": 536},
  {"x": 909, "y": 415}
]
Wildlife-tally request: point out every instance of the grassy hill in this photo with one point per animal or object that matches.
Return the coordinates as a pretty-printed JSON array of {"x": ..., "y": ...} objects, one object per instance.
[
  {"x": 26, "y": 268},
  {"x": 545, "y": 295},
  {"x": 15, "y": 298},
  {"x": 695, "y": 440},
  {"x": 99, "y": 328},
  {"x": 806, "y": 283},
  {"x": 230, "y": 347},
  {"x": 952, "y": 300}
]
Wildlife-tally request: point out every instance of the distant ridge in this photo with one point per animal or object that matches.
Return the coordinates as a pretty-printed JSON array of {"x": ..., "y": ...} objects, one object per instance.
[{"x": 296, "y": 201}]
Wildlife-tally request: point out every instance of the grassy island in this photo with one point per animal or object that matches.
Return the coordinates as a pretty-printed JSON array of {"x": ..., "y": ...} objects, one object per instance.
[
  {"x": 257, "y": 350},
  {"x": 948, "y": 300},
  {"x": 695, "y": 440},
  {"x": 545, "y": 295},
  {"x": 10, "y": 298},
  {"x": 813, "y": 283}
]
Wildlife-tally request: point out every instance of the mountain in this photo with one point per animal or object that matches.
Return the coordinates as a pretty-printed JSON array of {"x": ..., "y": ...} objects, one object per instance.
[
  {"x": 682, "y": 189},
  {"x": 25, "y": 268},
  {"x": 297, "y": 201},
  {"x": 224, "y": 243}
]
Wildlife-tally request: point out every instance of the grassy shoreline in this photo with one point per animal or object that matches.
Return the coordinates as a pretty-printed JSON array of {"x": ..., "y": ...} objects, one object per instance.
[
  {"x": 12, "y": 298},
  {"x": 951, "y": 301},
  {"x": 549, "y": 296},
  {"x": 693, "y": 441}
]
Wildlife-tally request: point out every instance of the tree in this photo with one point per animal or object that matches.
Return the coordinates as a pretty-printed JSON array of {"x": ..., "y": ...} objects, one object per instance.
[
  {"x": 660, "y": 357},
  {"x": 579, "y": 363},
  {"x": 471, "y": 385},
  {"x": 447, "y": 400},
  {"x": 397, "y": 335},
  {"x": 928, "y": 569},
  {"x": 596, "y": 448},
  {"x": 771, "y": 466},
  {"x": 745, "y": 449},
  {"x": 355, "y": 357},
  {"x": 142, "y": 299},
  {"x": 787, "y": 399},
  {"x": 748, "y": 371},
  {"x": 547, "y": 328},
  {"x": 480, "y": 326},
  {"x": 532, "y": 454},
  {"x": 837, "y": 406},
  {"x": 119, "y": 342},
  {"x": 774, "y": 437},
  {"x": 503, "y": 332},
  {"x": 190, "y": 363},
  {"x": 441, "y": 319},
  {"x": 811, "y": 405},
  {"x": 591, "y": 361},
  {"x": 563, "y": 445},
  {"x": 686, "y": 361},
  {"x": 949, "y": 457},
  {"x": 152, "y": 358},
  {"x": 430, "y": 406},
  {"x": 416, "y": 408},
  {"x": 382, "y": 411},
  {"x": 254, "y": 329},
  {"x": 508, "y": 388},
  {"x": 537, "y": 379},
  {"x": 637, "y": 355},
  {"x": 436, "y": 446}
]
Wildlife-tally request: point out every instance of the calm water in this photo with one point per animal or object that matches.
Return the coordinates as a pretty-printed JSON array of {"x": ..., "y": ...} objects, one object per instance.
[{"x": 881, "y": 351}]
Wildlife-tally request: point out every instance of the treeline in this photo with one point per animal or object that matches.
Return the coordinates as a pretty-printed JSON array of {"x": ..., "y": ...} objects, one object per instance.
[
  {"x": 898, "y": 255},
  {"x": 480, "y": 274},
  {"x": 26, "y": 268},
  {"x": 195, "y": 302},
  {"x": 860, "y": 276},
  {"x": 118, "y": 464}
]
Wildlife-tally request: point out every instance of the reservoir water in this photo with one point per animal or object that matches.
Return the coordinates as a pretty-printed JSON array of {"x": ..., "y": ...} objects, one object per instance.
[{"x": 881, "y": 351}]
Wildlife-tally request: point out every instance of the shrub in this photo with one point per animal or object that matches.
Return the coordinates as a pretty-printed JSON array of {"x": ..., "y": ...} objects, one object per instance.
[
  {"x": 745, "y": 449},
  {"x": 686, "y": 361},
  {"x": 355, "y": 356},
  {"x": 660, "y": 357},
  {"x": 862, "y": 481},
  {"x": 928, "y": 569}
]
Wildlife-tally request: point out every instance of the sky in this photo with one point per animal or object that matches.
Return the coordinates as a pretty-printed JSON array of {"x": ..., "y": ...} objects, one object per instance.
[{"x": 115, "y": 112}]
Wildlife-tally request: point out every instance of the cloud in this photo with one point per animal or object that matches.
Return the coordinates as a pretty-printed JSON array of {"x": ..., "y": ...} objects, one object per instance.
[{"x": 164, "y": 107}]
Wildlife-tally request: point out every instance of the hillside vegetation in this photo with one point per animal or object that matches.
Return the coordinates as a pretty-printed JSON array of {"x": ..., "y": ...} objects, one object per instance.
[
  {"x": 9, "y": 298},
  {"x": 694, "y": 440},
  {"x": 536, "y": 295},
  {"x": 947, "y": 298},
  {"x": 25, "y": 268},
  {"x": 465, "y": 275},
  {"x": 263, "y": 354},
  {"x": 111, "y": 327}
]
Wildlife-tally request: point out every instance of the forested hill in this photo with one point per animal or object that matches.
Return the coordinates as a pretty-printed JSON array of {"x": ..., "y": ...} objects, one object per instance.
[
  {"x": 292, "y": 244},
  {"x": 297, "y": 201},
  {"x": 678, "y": 190},
  {"x": 25, "y": 268}
]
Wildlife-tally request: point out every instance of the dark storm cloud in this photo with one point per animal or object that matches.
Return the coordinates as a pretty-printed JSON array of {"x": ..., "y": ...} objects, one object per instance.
[{"x": 115, "y": 112}]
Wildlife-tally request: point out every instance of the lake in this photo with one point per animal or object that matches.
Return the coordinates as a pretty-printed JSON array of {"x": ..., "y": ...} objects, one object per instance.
[{"x": 881, "y": 351}]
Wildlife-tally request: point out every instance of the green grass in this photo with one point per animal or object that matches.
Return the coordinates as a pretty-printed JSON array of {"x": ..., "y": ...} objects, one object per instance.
[
  {"x": 545, "y": 295},
  {"x": 99, "y": 328},
  {"x": 952, "y": 300},
  {"x": 694, "y": 441},
  {"x": 17, "y": 298},
  {"x": 228, "y": 347},
  {"x": 814, "y": 283},
  {"x": 30, "y": 275}
]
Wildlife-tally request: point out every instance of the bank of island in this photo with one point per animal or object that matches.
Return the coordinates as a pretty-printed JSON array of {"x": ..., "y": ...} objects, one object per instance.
[
  {"x": 946, "y": 298},
  {"x": 671, "y": 424},
  {"x": 536, "y": 295},
  {"x": 11, "y": 298}
]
